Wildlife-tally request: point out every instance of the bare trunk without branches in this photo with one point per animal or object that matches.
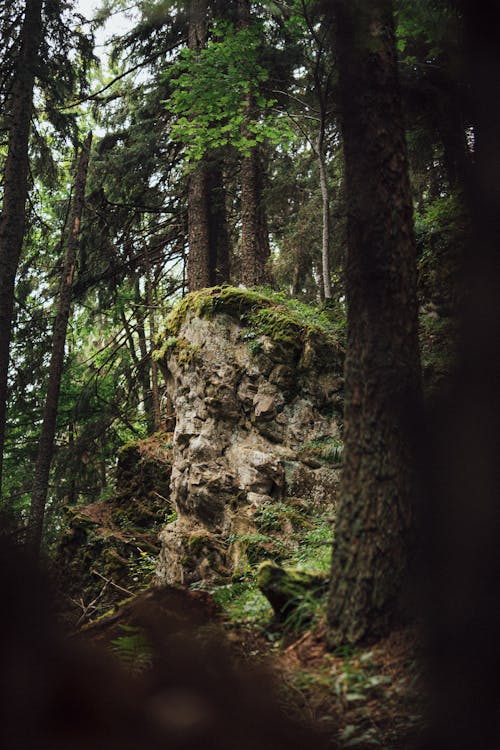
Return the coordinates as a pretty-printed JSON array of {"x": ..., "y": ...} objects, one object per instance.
[{"x": 46, "y": 443}]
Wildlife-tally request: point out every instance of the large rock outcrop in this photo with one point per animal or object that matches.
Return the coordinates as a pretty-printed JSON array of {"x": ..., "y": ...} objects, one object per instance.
[{"x": 256, "y": 388}]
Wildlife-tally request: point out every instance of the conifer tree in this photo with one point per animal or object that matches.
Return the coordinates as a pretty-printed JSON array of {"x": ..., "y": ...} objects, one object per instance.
[
  {"x": 46, "y": 444},
  {"x": 382, "y": 372},
  {"x": 15, "y": 186}
]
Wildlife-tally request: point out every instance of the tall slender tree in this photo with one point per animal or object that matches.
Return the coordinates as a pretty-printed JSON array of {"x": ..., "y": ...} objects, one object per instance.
[
  {"x": 255, "y": 250},
  {"x": 377, "y": 505},
  {"x": 199, "y": 271},
  {"x": 15, "y": 187},
  {"x": 46, "y": 443}
]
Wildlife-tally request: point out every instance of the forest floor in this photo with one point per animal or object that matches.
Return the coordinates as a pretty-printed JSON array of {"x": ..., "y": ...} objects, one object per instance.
[{"x": 355, "y": 697}]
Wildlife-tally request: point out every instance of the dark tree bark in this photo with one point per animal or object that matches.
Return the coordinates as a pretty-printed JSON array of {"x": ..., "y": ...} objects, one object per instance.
[
  {"x": 220, "y": 248},
  {"x": 255, "y": 251},
  {"x": 15, "y": 184},
  {"x": 463, "y": 471},
  {"x": 382, "y": 374},
  {"x": 46, "y": 444},
  {"x": 199, "y": 271}
]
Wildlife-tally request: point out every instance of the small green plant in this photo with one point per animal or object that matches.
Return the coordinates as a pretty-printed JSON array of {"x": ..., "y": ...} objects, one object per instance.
[
  {"x": 258, "y": 546},
  {"x": 133, "y": 648},
  {"x": 309, "y": 609},
  {"x": 314, "y": 551},
  {"x": 243, "y": 603},
  {"x": 142, "y": 568},
  {"x": 327, "y": 450}
]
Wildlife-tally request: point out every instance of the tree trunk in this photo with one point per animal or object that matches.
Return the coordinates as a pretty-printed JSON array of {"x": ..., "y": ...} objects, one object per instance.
[
  {"x": 144, "y": 362},
  {"x": 151, "y": 302},
  {"x": 255, "y": 249},
  {"x": 15, "y": 189},
  {"x": 325, "y": 196},
  {"x": 198, "y": 271},
  {"x": 377, "y": 507},
  {"x": 46, "y": 444},
  {"x": 461, "y": 455},
  {"x": 219, "y": 234}
]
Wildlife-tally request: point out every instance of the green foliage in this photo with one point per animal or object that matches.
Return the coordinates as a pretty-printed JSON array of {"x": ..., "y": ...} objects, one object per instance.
[
  {"x": 326, "y": 450},
  {"x": 211, "y": 91},
  {"x": 243, "y": 603},
  {"x": 305, "y": 548},
  {"x": 314, "y": 551},
  {"x": 133, "y": 648},
  {"x": 297, "y": 597},
  {"x": 305, "y": 613}
]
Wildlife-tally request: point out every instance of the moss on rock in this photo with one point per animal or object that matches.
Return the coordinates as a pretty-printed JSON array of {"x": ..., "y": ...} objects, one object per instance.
[
  {"x": 286, "y": 589},
  {"x": 286, "y": 322}
]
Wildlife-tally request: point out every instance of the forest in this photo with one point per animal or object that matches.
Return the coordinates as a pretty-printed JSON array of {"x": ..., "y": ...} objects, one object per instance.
[{"x": 249, "y": 368}]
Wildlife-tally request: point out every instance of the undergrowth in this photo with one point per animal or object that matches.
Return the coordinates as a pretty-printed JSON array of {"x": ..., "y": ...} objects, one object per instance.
[{"x": 310, "y": 552}]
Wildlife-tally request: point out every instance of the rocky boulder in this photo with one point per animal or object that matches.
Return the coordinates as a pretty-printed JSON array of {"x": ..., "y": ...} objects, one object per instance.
[{"x": 256, "y": 386}]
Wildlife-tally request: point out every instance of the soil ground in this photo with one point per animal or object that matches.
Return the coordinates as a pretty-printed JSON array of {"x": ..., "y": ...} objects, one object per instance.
[{"x": 361, "y": 698}]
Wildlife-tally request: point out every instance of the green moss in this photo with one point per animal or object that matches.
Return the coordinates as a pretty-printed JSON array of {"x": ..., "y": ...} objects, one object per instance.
[
  {"x": 264, "y": 313},
  {"x": 167, "y": 346},
  {"x": 185, "y": 351}
]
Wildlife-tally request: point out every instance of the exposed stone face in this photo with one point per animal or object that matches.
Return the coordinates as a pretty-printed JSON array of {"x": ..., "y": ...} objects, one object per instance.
[{"x": 244, "y": 415}]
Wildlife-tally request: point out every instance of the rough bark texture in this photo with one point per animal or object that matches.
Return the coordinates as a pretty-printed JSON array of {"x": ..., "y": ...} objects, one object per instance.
[
  {"x": 198, "y": 271},
  {"x": 255, "y": 249},
  {"x": 46, "y": 444},
  {"x": 382, "y": 366},
  {"x": 220, "y": 251},
  {"x": 15, "y": 185},
  {"x": 463, "y": 568}
]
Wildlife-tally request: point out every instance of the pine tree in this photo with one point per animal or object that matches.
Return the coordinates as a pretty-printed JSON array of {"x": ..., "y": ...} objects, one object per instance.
[
  {"x": 15, "y": 187},
  {"x": 46, "y": 444},
  {"x": 377, "y": 507}
]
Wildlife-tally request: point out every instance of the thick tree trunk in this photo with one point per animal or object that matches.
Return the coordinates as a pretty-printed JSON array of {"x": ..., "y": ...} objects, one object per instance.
[
  {"x": 220, "y": 250},
  {"x": 46, "y": 444},
  {"x": 382, "y": 374},
  {"x": 15, "y": 189},
  {"x": 463, "y": 567},
  {"x": 199, "y": 271}
]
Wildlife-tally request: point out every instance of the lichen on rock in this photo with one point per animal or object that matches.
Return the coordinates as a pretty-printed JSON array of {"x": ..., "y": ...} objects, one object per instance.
[{"x": 253, "y": 380}]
